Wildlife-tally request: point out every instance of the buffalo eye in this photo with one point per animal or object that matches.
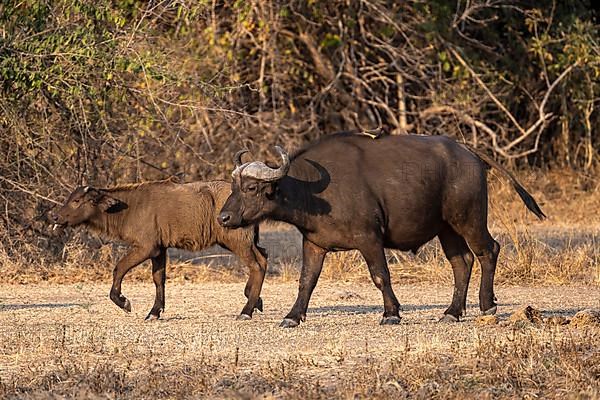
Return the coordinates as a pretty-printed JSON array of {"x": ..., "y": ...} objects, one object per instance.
[
  {"x": 251, "y": 188},
  {"x": 78, "y": 202}
]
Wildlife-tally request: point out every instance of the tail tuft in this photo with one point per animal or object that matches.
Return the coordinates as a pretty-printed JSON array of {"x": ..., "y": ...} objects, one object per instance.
[{"x": 529, "y": 201}]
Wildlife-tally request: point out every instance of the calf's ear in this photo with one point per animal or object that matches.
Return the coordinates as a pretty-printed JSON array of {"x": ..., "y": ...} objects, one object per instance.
[{"x": 109, "y": 204}]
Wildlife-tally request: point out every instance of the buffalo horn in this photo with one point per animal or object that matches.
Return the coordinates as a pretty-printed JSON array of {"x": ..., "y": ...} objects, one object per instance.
[
  {"x": 258, "y": 170},
  {"x": 237, "y": 159}
]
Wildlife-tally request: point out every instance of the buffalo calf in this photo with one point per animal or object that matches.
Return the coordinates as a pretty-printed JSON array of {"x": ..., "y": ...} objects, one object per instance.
[{"x": 153, "y": 216}]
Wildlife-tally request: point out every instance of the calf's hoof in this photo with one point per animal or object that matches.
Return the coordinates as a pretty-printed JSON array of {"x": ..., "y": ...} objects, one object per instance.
[
  {"x": 490, "y": 311},
  {"x": 152, "y": 317},
  {"x": 243, "y": 317},
  {"x": 288, "y": 323},
  {"x": 448, "y": 318},
  {"x": 259, "y": 305},
  {"x": 393, "y": 320},
  {"x": 121, "y": 301}
]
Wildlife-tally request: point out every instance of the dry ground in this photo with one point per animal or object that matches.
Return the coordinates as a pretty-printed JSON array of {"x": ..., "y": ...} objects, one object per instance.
[{"x": 70, "y": 340}]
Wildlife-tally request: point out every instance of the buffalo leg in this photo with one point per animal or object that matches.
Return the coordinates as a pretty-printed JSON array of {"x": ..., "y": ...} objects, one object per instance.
[
  {"x": 461, "y": 258},
  {"x": 374, "y": 255},
  {"x": 312, "y": 263},
  {"x": 134, "y": 257},
  {"x": 486, "y": 249},
  {"x": 159, "y": 275},
  {"x": 488, "y": 256}
]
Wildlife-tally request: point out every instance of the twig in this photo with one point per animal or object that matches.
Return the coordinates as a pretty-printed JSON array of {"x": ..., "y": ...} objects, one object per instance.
[{"x": 25, "y": 190}]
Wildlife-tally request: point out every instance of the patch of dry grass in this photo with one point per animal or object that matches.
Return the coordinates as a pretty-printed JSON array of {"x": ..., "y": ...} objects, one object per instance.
[
  {"x": 520, "y": 364},
  {"x": 70, "y": 341}
]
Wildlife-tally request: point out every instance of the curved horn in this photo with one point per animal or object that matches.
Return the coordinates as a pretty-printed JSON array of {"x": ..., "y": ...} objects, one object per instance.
[
  {"x": 237, "y": 159},
  {"x": 285, "y": 161},
  {"x": 259, "y": 170}
]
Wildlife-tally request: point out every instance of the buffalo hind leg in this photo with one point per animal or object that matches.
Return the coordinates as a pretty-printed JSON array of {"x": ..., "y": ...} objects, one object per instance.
[
  {"x": 488, "y": 259},
  {"x": 135, "y": 257},
  {"x": 461, "y": 258},
  {"x": 312, "y": 264},
  {"x": 486, "y": 249},
  {"x": 159, "y": 275},
  {"x": 374, "y": 255}
]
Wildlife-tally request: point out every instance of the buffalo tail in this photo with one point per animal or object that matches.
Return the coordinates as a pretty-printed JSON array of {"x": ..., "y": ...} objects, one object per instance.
[{"x": 527, "y": 198}]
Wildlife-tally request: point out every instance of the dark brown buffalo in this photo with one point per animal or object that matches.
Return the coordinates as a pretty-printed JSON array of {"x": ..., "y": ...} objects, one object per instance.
[
  {"x": 350, "y": 191},
  {"x": 154, "y": 216}
]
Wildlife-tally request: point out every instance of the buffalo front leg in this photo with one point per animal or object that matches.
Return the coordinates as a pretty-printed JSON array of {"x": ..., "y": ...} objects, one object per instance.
[
  {"x": 135, "y": 256},
  {"x": 312, "y": 263},
  {"x": 159, "y": 275},
  {"x": 374, "y": 255}
]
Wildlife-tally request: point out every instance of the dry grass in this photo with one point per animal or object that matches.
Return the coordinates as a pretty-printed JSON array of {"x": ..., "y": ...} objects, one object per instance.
[
  {"x": 561, "y": 250},
  {"x": 70, "y": 341}
]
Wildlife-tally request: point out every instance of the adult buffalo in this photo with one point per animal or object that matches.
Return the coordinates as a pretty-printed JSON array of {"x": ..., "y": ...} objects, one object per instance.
[
  {"x": 350, "y": 191},
  {"x": 154, "y": 216}
]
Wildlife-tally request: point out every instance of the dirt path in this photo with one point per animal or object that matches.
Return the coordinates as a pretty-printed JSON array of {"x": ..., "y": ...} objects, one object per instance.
[{"x": 75, "y": 328}]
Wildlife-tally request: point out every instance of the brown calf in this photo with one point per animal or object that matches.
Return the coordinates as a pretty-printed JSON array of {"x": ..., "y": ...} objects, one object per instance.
[{"x": 154, "y": 216}]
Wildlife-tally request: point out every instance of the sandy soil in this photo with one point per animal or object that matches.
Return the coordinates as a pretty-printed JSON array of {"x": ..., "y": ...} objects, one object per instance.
[{"x": 341, "y": 331}]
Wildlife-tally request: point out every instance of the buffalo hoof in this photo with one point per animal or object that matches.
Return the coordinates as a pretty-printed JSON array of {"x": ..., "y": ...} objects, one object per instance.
[
  {"x": 393, "y": 320},
  {"x": 448, "y": 318},
  {"x": 127, "y": 305},
  {"x": 490, "y": 311},
  {"x": 288, "y": 323},
  {"x": 259, "y": 305},
  {"x": 243, "y": 317},
  {"x": 152, "y": 317}
]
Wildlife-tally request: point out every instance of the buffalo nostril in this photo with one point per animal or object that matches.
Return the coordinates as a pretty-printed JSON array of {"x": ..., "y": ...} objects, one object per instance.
[{"x": 224, "y": 217}]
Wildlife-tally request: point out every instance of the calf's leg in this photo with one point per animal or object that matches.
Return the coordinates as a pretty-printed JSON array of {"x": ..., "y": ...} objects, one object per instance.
[
  {"x": 461, "y": 258},
  {"x": 261, "y": 256},
  {"x": 159, "y": 275},
  {"x": 374, "y": 255},
  {"x": 312, "y": 264},
  {"x": 257, "y": 264},
  {"x": 251, "y": 256},
  {"x": 135, "y": 256}
]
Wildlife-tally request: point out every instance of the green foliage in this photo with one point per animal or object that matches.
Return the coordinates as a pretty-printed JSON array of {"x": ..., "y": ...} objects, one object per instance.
[{"x": 331, "y": 40}]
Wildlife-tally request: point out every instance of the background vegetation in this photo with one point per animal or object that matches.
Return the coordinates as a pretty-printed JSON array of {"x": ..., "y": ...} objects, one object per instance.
[{"x": 111, "y": 91}]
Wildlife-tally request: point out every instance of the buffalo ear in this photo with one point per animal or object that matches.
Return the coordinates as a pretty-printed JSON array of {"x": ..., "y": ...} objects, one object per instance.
[{"x": 271, "y": 190}]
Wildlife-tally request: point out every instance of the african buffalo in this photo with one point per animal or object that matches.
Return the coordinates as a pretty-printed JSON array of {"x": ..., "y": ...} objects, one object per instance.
[
  {"x": 154, "y": 216},
  {"x": 350, "y": 191}
]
